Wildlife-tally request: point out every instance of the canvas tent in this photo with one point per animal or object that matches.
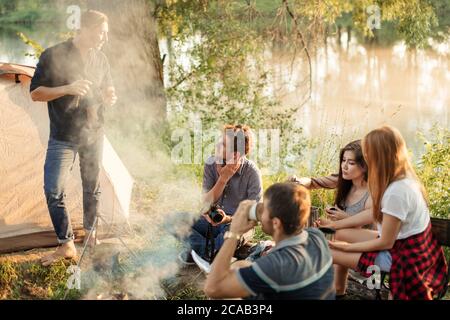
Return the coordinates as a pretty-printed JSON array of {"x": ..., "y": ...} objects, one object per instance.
[{"x": 24, "y": 128}]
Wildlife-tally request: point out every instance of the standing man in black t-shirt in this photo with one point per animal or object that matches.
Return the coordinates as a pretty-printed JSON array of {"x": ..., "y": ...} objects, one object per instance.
[{"x": 74, "y": 78}]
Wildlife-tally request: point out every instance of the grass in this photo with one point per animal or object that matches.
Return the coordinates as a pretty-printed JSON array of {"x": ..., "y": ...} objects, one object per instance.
[
  {"x": 30, "y": 281},
  {"x": 184, "y": 291},
  {"x": 260, "y": 235}
]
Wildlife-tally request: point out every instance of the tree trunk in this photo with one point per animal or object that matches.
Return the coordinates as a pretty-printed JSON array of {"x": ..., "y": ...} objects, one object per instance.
[
  {"x": 135, "y": 59},
  {"x": 349, "y": 36},
  {"x": 339, "y": 36}
]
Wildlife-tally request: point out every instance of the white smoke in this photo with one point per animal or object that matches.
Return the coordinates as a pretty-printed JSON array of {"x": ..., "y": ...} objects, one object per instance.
[{"x": 166, "y": 201}]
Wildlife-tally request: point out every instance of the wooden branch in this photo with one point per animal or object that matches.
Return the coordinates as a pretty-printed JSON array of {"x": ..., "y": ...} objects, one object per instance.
[
  {"x": 303, "y": 42},
  {"x": 184, "y": 78}
]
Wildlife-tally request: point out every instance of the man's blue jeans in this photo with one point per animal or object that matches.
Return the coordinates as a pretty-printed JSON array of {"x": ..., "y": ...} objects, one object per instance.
[
  {"x": 198, "y": 236},
  {"x": 58, "y": 166}
]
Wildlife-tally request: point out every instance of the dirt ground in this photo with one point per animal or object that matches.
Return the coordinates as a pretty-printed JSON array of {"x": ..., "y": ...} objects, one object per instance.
[{"x": 26, "y": 256}]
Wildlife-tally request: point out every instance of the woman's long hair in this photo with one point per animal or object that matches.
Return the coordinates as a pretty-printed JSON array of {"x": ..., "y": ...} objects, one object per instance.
[
  {"x": 344, "y": 186},
  {"x": 387, "y": 160}
]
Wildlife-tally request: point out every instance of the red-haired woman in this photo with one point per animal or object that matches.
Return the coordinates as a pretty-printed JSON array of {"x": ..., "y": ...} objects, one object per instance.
[{"x": 404, "y": 245}]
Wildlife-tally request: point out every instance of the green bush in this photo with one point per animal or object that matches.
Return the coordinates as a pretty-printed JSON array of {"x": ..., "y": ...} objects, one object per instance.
[{"x": 434, "y": 171}]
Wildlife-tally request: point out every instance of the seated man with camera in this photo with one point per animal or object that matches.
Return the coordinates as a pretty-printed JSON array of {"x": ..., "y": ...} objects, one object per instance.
[
  {"x": 300, "y": 265},
  {"x": 228, "y": 178}
]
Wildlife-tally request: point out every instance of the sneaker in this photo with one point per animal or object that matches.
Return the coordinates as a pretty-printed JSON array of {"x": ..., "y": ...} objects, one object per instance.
[
  {"x": 342, "y": 296},
  {"x": 186, "y": 258},
  {"x": 356, "y": 276}
]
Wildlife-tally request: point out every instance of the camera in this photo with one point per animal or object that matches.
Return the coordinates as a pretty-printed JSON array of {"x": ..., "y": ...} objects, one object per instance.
[
  {"x": 255, "y": 212},
  {"x": 215, "y": 214}
]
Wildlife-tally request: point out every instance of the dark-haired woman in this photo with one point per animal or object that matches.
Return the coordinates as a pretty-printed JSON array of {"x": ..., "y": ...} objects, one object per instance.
[{"x": 353, "y": 203}]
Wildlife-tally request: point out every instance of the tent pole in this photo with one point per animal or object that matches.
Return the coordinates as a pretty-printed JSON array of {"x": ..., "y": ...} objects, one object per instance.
[
  {"x": 84, "y": 249},
  {"x": 94, "y": 229}
]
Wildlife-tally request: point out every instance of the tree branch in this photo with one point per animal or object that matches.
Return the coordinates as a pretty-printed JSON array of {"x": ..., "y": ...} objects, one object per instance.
[{"x": 303, "y": 42}]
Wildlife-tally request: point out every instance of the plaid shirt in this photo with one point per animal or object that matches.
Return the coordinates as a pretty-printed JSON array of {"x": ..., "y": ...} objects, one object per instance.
[{"x": 418, "y": 271}]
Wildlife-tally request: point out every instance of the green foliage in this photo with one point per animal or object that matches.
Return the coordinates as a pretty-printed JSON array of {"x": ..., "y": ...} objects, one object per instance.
[
  {"x": 30, "y": 12},
  {"x": 416, "y": 20},
  {"x": 442, "y": 9},
  {"x": 38, "y": 49},
  {"x": 23, "y": 16},
  {"x": 219, "y": 75},
  {"x": 413, "y": 21},
  {"x": 217, "y": 69},
  {"x": 434, "y": 171}
]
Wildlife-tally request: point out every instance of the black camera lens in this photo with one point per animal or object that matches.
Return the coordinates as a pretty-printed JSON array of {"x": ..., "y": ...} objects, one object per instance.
[{"x": 215, "y": 216}]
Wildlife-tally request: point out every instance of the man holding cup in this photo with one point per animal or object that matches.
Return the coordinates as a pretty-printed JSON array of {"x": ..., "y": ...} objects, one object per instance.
[{"x": 298, "y": 267}]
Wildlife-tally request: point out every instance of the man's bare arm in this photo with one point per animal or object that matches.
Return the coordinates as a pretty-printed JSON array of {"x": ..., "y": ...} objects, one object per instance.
[
  {"x": 214, "y": 194},
  {"x": 45, "y": 94}
]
